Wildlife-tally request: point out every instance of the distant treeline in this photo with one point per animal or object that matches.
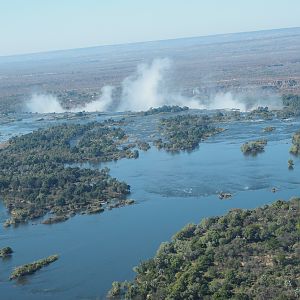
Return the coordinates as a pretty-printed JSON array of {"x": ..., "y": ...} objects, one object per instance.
[
  {"x": 164, "y": 109},
  {"x": 291, "y": 100}
]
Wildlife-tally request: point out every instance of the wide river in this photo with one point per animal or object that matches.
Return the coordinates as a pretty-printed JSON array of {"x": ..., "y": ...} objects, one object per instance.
[{"x": 170, "y": 191}]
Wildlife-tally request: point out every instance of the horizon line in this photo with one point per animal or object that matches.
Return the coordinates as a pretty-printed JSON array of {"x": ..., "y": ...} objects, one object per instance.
[{"x": 143, "y": 42}]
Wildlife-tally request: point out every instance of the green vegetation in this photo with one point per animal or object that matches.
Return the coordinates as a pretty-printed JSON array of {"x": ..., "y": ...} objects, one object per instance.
[
  {"x": 143, "y": 146},
  {"x": 164, "y": 109},
  {"x": 295, "y": 149},
  {"x": 227, "y": 116},
  {"x": 261, "y": 113},
  {"x": 246, "y": 254},
  {"x": 32, "y": 267},
  {"x": 6, "y": 251},
  {"x": 184, "y": 132},
  {"x": 36, "y": 177},
  {"x": 291, "y": 164},
  {"x": 254, "y": 147},
  {"x": 291, "y": 107},
  {"x": 291, "y": 101}
]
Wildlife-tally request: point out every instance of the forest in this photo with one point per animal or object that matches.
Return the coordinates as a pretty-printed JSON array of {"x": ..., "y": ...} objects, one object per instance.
[
  {"x": 37, "y": 177},
  {"x": 184, "y": 132},
  {"x": 246, "y": 254}
]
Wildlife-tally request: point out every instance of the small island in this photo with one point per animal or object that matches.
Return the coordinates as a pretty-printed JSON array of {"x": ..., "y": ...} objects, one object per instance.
[
  {"x": 269, "y": 129},
  {"x": 295, "y": 149},
  {"x": 184, "y": 132},
  {"x": 32, "y": 267},
  {"x": 224, "y": 195},
  {"x": 254, "y": 147},
  {"x": 5, "y": 252},
  {"x": 164, "y": 109},
  {"x": 261, "y": 113},
  {"x": 290, "y": 164}
]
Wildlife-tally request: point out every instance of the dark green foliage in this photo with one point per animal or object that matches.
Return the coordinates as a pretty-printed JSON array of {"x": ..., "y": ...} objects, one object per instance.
[
  {"x": 34, "y": 179},
  {"x": 291, "y": 107},
  {"x": 185, "y": 132},
  {"x": 6, "y": 251},
  {"x": 250, "y": 254},
  {"x": 32, "y": 267},
  {"x": 261, "y": 113},
  {"x": 164, "y": 109},
  {"x": 254, "y": 147},
  {"x": 291, "y": 100},
  {"x": 295, "y": 149}
]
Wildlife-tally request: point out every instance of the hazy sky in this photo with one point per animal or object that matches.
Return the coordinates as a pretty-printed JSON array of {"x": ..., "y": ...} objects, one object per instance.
[{"x": 42, "y": 25}]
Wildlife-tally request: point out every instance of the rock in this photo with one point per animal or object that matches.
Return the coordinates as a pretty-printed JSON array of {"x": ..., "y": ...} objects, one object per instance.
[
  {"x": 224, "y": 195},
  {"x": 129, "y": 202}
]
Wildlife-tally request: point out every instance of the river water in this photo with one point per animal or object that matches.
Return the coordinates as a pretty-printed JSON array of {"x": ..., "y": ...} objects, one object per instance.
[{"x": 171, "y": 190}]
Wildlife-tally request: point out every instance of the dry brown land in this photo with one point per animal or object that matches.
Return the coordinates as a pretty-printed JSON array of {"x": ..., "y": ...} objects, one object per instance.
[{"x": 268, "y": 60}]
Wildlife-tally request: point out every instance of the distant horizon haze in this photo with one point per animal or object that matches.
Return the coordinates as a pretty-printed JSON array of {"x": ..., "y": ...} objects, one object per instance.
[
  {"x": 150, "y": 41},
  {"x": 34, "y": 26}
]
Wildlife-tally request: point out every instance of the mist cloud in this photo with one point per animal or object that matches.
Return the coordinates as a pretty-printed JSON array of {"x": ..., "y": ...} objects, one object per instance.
[
  {"x": 43, "y": 104},
  {"x": 146, "y": 88},
  {"x": 143, "y": 90},
  {"x": 102, "y": 104},
  {"x": 242, "y": 101}
]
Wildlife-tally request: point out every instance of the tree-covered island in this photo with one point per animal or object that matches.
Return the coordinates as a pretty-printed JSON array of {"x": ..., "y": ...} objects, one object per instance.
[
  {"x": 295, "y": 148},
  {"x": 184, "y": 132},
  {"x": 37, "y": 177},
  {"x": 254, "y": 147},
  {"x": 6, "y": 251},
  {"x": 246, "y": 254},
  {"x": 164, "y": 109},
  {"x": 32, "y": 267}
]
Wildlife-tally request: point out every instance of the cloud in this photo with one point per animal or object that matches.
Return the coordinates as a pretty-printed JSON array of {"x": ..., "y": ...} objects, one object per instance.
[
  {"x": 146, "y": 88},
  {"x": 43, "y": 104}
]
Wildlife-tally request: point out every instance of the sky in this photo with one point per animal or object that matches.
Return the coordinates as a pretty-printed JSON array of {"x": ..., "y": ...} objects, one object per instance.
[{"x": 29, "y": 26}]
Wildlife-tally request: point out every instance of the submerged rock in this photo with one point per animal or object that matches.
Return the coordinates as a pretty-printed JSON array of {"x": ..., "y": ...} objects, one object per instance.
[
  {"x": 129, "y": 202},
  {"x": 224, "y": 195},
  {"x": 269, "y": 129},
  {"x": 95, "y": 210},
  {"x": 56, "y": 219}
]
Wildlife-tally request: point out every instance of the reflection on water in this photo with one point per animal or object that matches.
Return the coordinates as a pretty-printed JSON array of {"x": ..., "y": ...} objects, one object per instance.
[{"x": 170, "y": 190}]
